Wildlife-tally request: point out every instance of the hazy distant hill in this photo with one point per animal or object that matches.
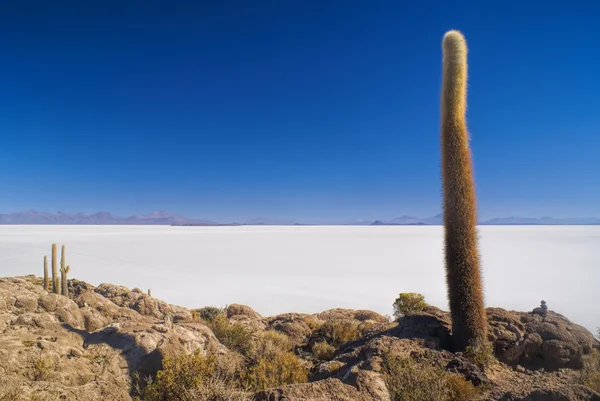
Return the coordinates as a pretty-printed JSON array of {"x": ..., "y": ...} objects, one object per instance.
[
  {"x": 165, "y": 218},
  {"x": 547, "y": 221},
  {"x": 99, "y": 218}
]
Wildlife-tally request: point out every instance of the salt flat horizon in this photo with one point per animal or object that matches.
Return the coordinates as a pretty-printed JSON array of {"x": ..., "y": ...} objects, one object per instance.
[{"x": 277, "y": 269}]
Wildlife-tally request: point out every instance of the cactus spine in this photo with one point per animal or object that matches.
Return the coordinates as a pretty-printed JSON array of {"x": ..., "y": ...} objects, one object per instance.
[
  {"x": 46, "y": 279},
  {"x": 55, "y": 278},
  {"x": 64, "y": 270},
  {"x": 463, "y": 275}
]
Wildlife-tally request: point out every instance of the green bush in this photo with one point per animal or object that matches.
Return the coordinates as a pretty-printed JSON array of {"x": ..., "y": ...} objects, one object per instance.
[{"x": 408, "y": 303}]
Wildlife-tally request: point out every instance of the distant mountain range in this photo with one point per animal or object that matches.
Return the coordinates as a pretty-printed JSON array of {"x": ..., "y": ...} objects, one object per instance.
[
  {"x": 165, "y": 218},
  {"x": 99, "y": 218}
]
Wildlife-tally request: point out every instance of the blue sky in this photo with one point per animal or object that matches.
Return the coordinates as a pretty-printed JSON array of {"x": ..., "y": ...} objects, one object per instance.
[{"x": 229, "y": 110}]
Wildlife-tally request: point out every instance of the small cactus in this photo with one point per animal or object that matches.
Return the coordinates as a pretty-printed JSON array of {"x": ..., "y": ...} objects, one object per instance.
[
  {"x": 64, "y": 270},
  {"x": 55, "y": 278},
  {"x": 46, "y": 279},
  {"x": 63, "y": 276}
]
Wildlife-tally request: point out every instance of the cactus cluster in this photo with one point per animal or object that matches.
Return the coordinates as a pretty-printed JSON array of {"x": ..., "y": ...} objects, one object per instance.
[
  {"x": 463, "y": 275},
  {"x": 59, "y": 284}
]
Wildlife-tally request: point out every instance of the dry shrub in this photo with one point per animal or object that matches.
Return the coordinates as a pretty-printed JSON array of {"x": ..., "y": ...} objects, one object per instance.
[
  {"x": 234, "y": 336},
  {"x": 270, "y": 344},
  {"x": 323, "y": 351},
  {"x": 279, "y": 370},
  {"x": 407, "y": 380},
  {"x": 207, "y": 313},
  {"x": 312, "y": 323},
  {"x": 193, "y": 377},
  {"x": 340, "y": 331},
  {"x": 590, "y": 374},
  {"x": 9, "y": 389},
  {"x": 460, "y": 389},
  {"x": 42, "y": 368},
  {"x": 408, "y": 303},
  {"x": 593, "y": 381}
]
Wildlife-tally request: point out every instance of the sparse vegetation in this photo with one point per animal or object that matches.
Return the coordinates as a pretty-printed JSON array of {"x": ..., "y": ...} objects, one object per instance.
[
  {"x": 482, "y": 355},
  {"x": 276, "y": 371},
  {"x": 408, "y": 303},
  {"x": 460, "y": 389},
  {"x": 590, "y": 375},
  {"x": 269, "y": 345},
  {"x": 42, "y": 367},
  {"x": 408, "y": 380},
  {"x": 233, "y": 335},
  {"x": 207, "y": 313},
  {"x": 340, "y": 331},
  {"x": 193, "y": 377},
  {"x": 323, "y": 351}
]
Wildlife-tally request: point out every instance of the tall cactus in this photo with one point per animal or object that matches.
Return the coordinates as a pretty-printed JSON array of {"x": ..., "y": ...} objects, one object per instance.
[
  {"x": 46, "y": 279},
  {"x": 463, "y": 275},
  {"x": 64, "y": 270},
  {"x": 55, "y": 278}
]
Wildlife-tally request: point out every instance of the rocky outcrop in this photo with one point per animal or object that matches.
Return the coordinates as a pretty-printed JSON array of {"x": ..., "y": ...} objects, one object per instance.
[
  {"x": 324, "y": 390},
  {"x": 565, "y": 393},
  {"x": 535, "y": 341},
  {"x": 88, "y": 347}
]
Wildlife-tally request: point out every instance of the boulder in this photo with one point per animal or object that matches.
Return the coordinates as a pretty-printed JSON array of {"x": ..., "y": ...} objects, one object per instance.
[{"x": 534, "y": 341}]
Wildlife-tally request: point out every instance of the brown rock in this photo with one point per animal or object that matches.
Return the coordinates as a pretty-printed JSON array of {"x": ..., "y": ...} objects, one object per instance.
[
  {"x": 324, "y": 390},
  {"x": 533, "y": 341},
  {"x": 567, "y": 393},
  {"x": 242, "y": 310}
]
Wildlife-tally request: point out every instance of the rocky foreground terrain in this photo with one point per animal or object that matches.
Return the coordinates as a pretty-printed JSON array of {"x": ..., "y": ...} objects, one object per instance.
[{"x": 96, "y": 345}]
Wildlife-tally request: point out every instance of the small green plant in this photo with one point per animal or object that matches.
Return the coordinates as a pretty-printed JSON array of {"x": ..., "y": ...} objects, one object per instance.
[
  {"x": 276, "y": 371},
  {"x": 408, "y": 303},
  {"x": 323, "y": 351},
  {"x": 232, "y": 335}
]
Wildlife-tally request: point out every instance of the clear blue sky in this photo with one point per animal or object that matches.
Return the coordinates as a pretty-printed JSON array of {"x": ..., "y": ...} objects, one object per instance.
[{"x": 229, "y": 110}]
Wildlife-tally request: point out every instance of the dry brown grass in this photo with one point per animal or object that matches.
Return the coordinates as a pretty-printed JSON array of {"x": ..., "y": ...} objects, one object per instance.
[
  {"x": 323, "y": 351},
  {"x": 276, "y": 371},
  {"x": 407, "y": 380}
]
